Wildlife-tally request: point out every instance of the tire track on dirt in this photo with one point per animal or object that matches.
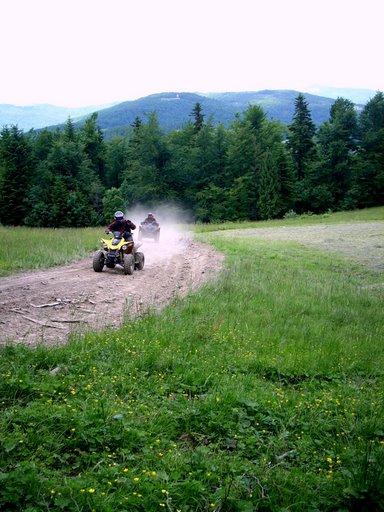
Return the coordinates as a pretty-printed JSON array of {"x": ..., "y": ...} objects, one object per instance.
[{"x": 47, "y": 306}]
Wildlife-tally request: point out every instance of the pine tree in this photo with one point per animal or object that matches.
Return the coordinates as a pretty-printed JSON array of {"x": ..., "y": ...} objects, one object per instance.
[
  {"x": 66, "y": 190},
  {"x": 40, "y": 197},
  {"x": 143, "y": 178},
  {"x": 241, "y": 157},
  {"x": 242, "y": 198},
  {"x": 42, "y": 142},
  {"x": 203, "y": 157},
  {"x": 269, "y": 199},
  {"x": 16, "y": 167},
  {"x": 93, "y": 145},
  {"x": 241, "y": 170},
  {"x": 116, "y": 161},
  {"x": 372, "y": 117},
  {"x": 300, "y": 138},
  {"x": 58, "y": 207},
  {"x": 337, "y": 143},
  {"x": 112, "y": 201},
  {"x": 255, "y": 116},
  {"x": 198, "y": 117},
  {"x": 211, "y": 204},
  {"x": 258, "y": 158},
  {"x": 69, "y": 131},
  {"x": 179, "y": 171},
  {"x": 367, "y": 187},
  {"x": 275, "y": 178},
  {"x": 220, "y": 147},
  {"x": 137, "y": 122}
]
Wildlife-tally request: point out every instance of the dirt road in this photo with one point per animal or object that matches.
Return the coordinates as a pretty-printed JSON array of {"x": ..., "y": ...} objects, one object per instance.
[
  {"x": 360, "y": 241},
  {"x": 46, "y": 306}
]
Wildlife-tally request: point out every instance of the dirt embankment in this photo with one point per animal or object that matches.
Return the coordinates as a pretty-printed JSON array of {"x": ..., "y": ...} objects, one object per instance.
[
  {"x": 360, "y": 241},
  {"x": 46, "y": 306}
]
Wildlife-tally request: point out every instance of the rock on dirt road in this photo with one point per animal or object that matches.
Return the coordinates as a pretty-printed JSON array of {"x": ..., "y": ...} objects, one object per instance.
[{"x": 46, "y": 306}]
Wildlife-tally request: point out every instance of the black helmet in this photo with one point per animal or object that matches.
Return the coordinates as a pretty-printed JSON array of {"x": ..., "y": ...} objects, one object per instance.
[{"x": 119, "y": 215}]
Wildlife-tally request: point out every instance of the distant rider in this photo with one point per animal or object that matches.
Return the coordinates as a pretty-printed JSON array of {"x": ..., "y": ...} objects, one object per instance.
[
  {"x": 122, "y": 225},
  {"x": 150, "y": 220}
]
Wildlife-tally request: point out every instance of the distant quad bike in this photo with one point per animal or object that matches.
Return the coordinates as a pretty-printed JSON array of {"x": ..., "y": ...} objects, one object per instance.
[
  {"x": 118, "y": 251},
  {"x": 149, "y": 230}
]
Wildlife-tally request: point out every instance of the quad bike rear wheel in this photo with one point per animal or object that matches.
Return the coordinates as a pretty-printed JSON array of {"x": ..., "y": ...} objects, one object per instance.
[
  {"x": 98, "y": 261},
  {"x": 129, "y": 264},
  {"x": 139, "y": 261}
]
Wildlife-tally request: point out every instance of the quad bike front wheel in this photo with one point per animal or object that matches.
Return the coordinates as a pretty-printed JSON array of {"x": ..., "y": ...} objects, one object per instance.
[
  {"x": 139, "y": 261},
  {"x": 98, "y": 261},
  {"x": 129, "y": 264}
]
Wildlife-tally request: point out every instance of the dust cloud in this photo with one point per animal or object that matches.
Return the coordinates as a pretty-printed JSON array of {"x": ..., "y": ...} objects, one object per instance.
[{"x": 174, "y": 232}]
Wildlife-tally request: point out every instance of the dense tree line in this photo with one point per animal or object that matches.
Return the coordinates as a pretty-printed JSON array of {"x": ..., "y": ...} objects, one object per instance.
[{"x": 255, "y": 169}]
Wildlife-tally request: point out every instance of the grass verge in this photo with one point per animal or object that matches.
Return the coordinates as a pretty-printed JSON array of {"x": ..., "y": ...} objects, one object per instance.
[{"x": 264, "y": 391}]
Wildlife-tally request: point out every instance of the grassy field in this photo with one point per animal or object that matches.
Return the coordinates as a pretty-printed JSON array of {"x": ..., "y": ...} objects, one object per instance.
[
  {"x": 31, "y": 248},
  {"x": 368, "y": 214},
  {"x": 262, "y": 392}
]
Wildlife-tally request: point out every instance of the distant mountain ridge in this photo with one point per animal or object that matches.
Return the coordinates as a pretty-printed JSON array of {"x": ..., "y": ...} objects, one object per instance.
[
  {"x": 278, "y": 104},
  {"x": 173, "y": 109},
  {"x": 39, "y": 116},
  {"x": 358, "y": 96}
]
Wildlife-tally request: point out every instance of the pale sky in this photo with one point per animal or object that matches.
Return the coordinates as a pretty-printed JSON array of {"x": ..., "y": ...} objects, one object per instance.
[{"x": 90, "y": 52}]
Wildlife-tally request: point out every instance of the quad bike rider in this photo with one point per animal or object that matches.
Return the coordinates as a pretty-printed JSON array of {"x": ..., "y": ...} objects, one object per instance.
[
  {"x": 149, "y": 228},
  {"x": 120, "y": 250}
]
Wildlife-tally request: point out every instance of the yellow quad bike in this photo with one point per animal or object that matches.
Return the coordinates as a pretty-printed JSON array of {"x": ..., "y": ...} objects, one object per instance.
[{"x": 118, "y": 251}]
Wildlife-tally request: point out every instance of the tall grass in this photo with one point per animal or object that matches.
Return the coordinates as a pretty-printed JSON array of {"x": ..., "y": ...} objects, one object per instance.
[
  {"x": 264, "y": 391},
  {"x": 31, "y": 248}
]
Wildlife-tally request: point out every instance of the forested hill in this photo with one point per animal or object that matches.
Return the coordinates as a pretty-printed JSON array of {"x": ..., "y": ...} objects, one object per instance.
[
  {"x": 277, "y": 104},
  {"x": 174, "y": 109},
  {"x": 253, "y": 169}
]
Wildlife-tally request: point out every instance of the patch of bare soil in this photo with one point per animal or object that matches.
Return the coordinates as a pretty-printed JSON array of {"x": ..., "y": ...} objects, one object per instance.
[
  {"x": 360, "y": 241},
  {"x": 47, "y": 306}
]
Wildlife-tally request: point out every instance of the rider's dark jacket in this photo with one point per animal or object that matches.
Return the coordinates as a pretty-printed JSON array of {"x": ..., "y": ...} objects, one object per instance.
[
  {"x": 123, "y": 226},
  {"x": 151, "y": 220}
]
